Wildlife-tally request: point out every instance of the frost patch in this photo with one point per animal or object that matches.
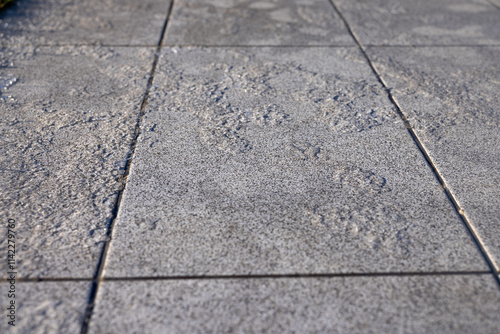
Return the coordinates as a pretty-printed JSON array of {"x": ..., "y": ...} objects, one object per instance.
[{"x": 5, "y": 83}]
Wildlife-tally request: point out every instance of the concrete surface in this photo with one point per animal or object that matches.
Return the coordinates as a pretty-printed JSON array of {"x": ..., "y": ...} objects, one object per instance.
[
  {"x": 67, "y": 119},
  {"x": 425, "y": 22},
  {"x": 273, "y": 184},
  {"x": 246, "y": 22},
  {"x": 451, "y": 99},
  {"x": 46, "y": 307},
  {"x": 296, "y": 163},
  {"x": 433, "y": 304},
  {"x": 61, "y": 22}
]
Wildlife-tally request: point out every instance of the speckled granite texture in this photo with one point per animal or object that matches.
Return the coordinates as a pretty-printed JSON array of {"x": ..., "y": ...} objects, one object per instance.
[
  {"x": 235, "y": 166},
  {"x": 444, "y": 304},
  {"x": 67, "y": 120},
  {"x": 297, "y": 163},
  {"x": 451, "y": 101},
  {"x": 63, "y": 22}
]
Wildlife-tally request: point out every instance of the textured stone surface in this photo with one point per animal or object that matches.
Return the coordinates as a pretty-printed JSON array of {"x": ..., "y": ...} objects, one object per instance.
[
  {"x": 451, "y": 98},
  {"x": 246, "y": 22},
  {"x": 45, "y": 307},
  {"x": 427, "y": 22},
  {"x": 67, "y": 119},
  {"x": 279, "y": 160},
  {"x": 442, "y": 304},
  {"x": 56, "y": 22}
]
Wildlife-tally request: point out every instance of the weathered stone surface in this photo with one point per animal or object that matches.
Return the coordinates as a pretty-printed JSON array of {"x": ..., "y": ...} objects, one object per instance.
[
  {"x": 67, "y": 119},
  {"x": 45, "y": 307},
  {"x": 245, "y": 22},
  {"x": 427, "y": 22},
  {"x": 56, "y": 22},
  {"x": 451, "y": 99},
  {"x": 279, "y": 160},
  {"x": 439, "y": 304}
]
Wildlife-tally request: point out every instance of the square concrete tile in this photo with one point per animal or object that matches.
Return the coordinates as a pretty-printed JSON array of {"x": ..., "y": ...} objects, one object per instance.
[
  {"x": 68, "y": 116},
  {"x": 44, "y": 307},
  {"x": 279, "y": 160},
  {"x": 439, "y": 304},
  {"x": 426, "y": 22},
  {"x": 450, "y": 96},
  {"x": 56, "y": 22},
  {"x": 246, "y": 22}
]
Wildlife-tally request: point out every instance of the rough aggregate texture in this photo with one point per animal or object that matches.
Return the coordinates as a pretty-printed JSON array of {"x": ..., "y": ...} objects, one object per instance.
[
  {"x": 268, "y": 147},
  {"x": 340, "y": 104},
  {"x": 245, "y": 22},
  {"x": 451, "y": 99},
  {"x": 442, "y": 304},
  {"x": 60, "y": 22},
  {"x": 427, "y": 22},
  {"x": 281, "y": 191},
  {"x": 67, "y": 119},
  {"x": 45, "y": 307}
]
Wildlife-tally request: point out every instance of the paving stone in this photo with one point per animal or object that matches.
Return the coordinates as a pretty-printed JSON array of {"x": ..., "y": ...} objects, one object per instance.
[
  {"x": 245, "y": 22},
  {"x": 439, "y": 304},
  {"x": 426, "y": 22},
  {"x": 450, "y": 96},
  {"x": 67, "y": 119},
  {"x": 45, "y": 307},
  {"x": 279, "y": 160},
  {"x": 57, "y": 22}
]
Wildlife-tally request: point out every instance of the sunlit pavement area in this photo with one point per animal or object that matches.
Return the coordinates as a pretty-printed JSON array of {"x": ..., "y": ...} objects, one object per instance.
[{"x": 237, "y": 166}]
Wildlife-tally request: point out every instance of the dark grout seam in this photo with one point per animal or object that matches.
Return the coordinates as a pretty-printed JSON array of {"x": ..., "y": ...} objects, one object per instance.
[
  {"x": 298, "y": 275},
  {"x": 333, "y": 46},
  {"x": 77, "y": 45},
  {"x": 258, "y": 46},
  {"x": 256, "y": 276},
  {"x": 431, "y": 46},
  {"x": 48, "y": 279},
  {"x": 459, "y": 210},
  {"x": 98, "y": 276}
]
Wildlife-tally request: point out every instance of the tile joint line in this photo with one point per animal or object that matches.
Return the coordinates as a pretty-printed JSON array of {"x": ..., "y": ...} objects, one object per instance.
[
  {"x": 97, "y": 279},
  {"x": 236, "y": 46},
  {"x": 470, "y": 228},
  {"x": 252, "y": 276}
]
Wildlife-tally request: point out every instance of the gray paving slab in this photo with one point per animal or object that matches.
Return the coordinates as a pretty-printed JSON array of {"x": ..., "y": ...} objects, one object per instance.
[
  {"x": 246, "y": 22},
  {"x": 442, "y": 304},
  {"x": 279, "y": 160},
  {"x": 110, "y": 22},
  {"x": 67, "y": 119},
  {"x": 427, "y": 22},
  {"x": 45, "y": 307},
  {"x": 450, "y": 96}
]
